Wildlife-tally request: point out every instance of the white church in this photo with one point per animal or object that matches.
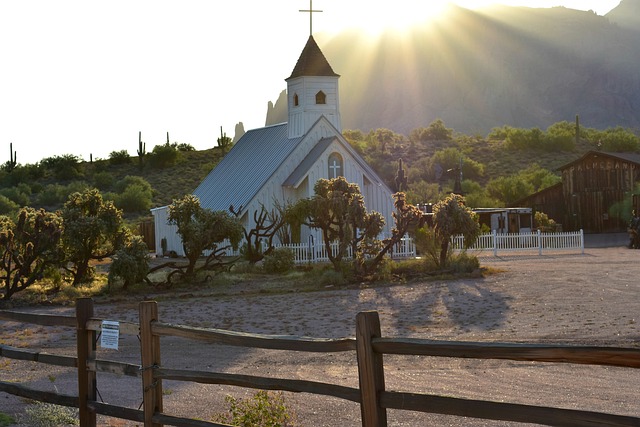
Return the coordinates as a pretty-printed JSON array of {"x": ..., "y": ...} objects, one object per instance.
[{"x": 283, "y": 162}]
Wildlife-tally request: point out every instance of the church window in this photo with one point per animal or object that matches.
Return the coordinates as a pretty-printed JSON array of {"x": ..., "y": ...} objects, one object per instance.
[
  {"x": 321, "y": 98},
  {"x": 336, "y": 165},
  {"x": 296, "y": 102}
]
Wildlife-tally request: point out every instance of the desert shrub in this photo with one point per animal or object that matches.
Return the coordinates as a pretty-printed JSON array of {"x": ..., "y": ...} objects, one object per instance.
[
  {"x": 64, "y": 168},
  {"x": 135, "y": 194},
  {"x": 49, "y": 415},
  {"x": 103, "y": 181},
  {"x": 131, "y": 262},
  {"x": 408, "y": 268},
  {"x": 332, "y": 278},
  {"x": 544, "y": 223},
  {"x": 164, "y": 156},
  {"x": 6, "y": 420},
  {"x": 72, "y": 187},
  {"x": 16, "y": 195},
  {"x": 264, "y": 409},
  {"x": 185, "y": 147},
  {"x": 463, "y": 263},
  {"x": 51, "y": 195},
  {"x": 281, "y": 260},
  {"x": 119, "y": 157},
  {"x": 7, "y": 205}
]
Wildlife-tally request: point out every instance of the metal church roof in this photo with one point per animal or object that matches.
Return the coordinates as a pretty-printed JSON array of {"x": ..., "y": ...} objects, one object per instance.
[
  {"x": 245, "y": 168},
  {"x": 301, "y": 171}
]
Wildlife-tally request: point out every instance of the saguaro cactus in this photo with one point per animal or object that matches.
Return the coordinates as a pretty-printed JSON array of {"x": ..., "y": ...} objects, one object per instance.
[
  {"x": 401, "y": 178},
  {"x": 12, "y": 163},
  {"x": 142, "y": 149}
]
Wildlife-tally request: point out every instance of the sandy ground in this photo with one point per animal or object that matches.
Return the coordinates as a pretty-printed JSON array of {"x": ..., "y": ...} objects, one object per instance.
[{"x": 589, "y": 298}]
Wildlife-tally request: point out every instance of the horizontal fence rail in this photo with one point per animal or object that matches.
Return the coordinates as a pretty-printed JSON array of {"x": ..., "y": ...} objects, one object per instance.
[{"x": 369, "y": 345}]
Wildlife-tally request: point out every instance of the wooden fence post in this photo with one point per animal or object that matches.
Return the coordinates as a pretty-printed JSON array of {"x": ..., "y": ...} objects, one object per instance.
[
  {"x": 86, "y": 345},
  {"x": 150, "y": 350},
  {"x": 370, "y": 370}
]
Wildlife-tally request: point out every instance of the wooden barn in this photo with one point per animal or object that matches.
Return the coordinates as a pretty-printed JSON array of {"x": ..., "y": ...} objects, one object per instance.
[{"x": 591, "y": 186}]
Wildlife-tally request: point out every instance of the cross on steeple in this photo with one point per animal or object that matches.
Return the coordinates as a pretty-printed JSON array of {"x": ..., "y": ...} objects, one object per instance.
[{"x": 310, "y": 10}]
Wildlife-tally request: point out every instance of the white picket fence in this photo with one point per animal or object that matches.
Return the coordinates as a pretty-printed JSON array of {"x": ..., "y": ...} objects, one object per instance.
[
  {"x": 312, "y": 253},
  {"x": 518, "y": 242},
  {"x": 306, "y": 253}
]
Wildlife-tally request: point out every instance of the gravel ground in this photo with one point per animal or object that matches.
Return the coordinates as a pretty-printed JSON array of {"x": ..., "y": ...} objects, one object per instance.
[{"x": 589, "y": 298}]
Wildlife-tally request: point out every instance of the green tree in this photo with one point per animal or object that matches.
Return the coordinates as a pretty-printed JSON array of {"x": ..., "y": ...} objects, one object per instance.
[
  {"x": 509, "y": 189},
  {"x": 383, "y": 139},
  {"x": 405, "y": 217},
  {"x": 265, "y": 227},
  {"x": 93, "y": 230},
  {"x": 451, "y": 218},
  {"x": 28, "y": 248},
  {"x": 202, "y": 230},
  {"x": 436, "y": 131},
  {"x": 337, "y": 209}
]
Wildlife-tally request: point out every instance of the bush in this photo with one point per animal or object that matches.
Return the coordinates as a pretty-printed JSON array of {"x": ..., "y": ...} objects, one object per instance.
[
  {"x": 119, "y": 157},
  {"x": 264, "y": 409},
  {"x": 130, "y": 263},
  {"x": 103, "y": 181},
  {"x": 463, "y": 263},
  {"x": 135, "y": 194},
  {"x": 164, "y": 156},
  {"x": 281, "y": 260},
  {"x": 16, "y": 195},
  {"x": 64, "y": 167},
  {"x": 50, "y": 415},
  {"x": 7, "y": 206},
  {"x": 51, "y": 195},
  {"x": 6, "y": 420}
]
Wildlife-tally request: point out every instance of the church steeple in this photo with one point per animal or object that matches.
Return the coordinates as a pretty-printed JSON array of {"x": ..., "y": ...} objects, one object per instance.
[{"x": 312, "y": 91}]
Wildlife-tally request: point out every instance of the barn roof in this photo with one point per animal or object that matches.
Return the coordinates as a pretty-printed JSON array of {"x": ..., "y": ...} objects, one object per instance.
[
  {"x": 312, "y": 62},
  {"x": 259, "y": 151},
  {"x": 629, "y": 157}
]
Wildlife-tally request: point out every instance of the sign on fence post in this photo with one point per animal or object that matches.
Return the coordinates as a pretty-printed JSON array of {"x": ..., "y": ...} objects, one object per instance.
[{"x": 110, "y": 334}]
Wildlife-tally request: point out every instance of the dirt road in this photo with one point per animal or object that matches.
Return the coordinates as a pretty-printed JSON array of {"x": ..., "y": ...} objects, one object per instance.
[{"x": 559, "y": 298}]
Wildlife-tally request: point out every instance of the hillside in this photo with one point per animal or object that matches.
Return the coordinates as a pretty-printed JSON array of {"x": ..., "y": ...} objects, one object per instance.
[
  {"x": 47, "y": 186},
  {"x": 477, "y": 70}
]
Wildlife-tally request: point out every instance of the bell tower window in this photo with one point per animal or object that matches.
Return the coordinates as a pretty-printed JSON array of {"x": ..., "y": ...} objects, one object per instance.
[
  {"x": 296, "y": 101},
  {"x": 336, "y": 166},
  {"x": 321, "y": 98}
]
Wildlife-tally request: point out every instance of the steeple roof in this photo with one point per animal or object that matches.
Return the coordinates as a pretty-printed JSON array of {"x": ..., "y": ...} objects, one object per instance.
[{"x": 312, "y": 62}]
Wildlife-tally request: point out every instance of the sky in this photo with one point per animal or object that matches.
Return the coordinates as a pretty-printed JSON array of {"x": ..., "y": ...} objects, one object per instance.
[{"x": 84, "y": 77}]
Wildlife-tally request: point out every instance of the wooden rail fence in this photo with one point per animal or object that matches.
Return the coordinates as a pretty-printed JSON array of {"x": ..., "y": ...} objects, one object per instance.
[{"x": 369, "y": 345}]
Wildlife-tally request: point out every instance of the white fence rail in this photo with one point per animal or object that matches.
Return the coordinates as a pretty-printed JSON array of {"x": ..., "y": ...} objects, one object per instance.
[
  {"x": 305, "y": 253},
  {"x": 516, "y": 242}
]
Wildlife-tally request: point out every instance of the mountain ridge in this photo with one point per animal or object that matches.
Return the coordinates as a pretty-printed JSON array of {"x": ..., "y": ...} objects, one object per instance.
[{"x": 476, "y": 70}]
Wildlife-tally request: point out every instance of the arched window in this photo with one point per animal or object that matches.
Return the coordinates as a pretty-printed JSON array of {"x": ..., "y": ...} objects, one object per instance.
[
  {"x": 336, "y": 165},
  {"x": 321, "y": 98},
  {"x": 295, "y": 100}
]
